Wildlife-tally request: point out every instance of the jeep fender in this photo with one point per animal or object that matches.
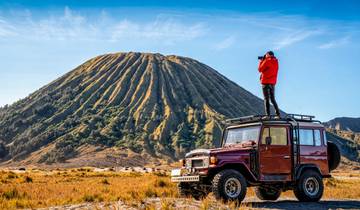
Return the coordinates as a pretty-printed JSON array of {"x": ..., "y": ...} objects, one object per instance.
[
  {"x": 240, "y": 167},
  {"x": 300, "y": 169}
]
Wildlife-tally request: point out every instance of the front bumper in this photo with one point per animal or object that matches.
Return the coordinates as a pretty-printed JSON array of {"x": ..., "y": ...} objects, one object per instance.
[
  {"x": 183, "y": 175},
  {"x": 185, "y": 178}
]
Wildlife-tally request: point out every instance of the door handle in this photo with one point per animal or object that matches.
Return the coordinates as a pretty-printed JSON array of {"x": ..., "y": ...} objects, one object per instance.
[{"x": 286, "y": 157}]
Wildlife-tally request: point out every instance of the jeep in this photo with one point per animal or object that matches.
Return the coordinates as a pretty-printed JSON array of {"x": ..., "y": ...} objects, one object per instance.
[{"x": 273, "y": 155}]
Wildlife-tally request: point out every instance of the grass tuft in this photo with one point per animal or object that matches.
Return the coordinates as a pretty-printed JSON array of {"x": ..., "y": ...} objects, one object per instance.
[
  {"x": 92, "y": 198},
  {"x": 105, "y": 181},
  {"x": 28, "y": 179},
  {"x": 160, "y": 183},
  {"x": 12, "y": 194}
]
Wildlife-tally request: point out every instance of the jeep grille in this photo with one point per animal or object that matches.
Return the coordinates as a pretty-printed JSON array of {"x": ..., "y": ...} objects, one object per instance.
[{"x": 197, "y": 162}]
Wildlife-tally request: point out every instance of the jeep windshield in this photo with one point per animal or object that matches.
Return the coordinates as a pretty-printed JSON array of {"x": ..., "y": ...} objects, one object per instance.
[{"x": 241, "y": 135}]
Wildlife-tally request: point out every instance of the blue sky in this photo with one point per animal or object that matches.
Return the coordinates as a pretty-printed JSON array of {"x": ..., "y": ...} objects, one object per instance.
[{"x": 317, "y": 43}]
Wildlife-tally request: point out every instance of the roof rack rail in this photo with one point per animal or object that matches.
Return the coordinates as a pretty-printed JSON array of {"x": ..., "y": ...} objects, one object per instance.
[
  {"x": 300, "y": 117},
  {"x": 240, "y": 119},
  {"x": 249, "y": 118},
  {"x": 293, "y": 117}
]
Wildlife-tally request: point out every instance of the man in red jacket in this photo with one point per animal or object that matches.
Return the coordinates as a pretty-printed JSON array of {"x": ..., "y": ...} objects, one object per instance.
[{"x": 268, "y": 68}]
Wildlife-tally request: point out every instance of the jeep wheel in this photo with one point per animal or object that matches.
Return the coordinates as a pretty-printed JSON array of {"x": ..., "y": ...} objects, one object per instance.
[
  {"x": 265, "y": 193},
  {"x": 310, "y": 187},
  {"x": 229, "y": 185}
]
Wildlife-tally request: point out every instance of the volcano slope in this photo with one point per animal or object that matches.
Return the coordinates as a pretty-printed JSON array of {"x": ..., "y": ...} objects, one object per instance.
[{"x": 148, "y": 103}]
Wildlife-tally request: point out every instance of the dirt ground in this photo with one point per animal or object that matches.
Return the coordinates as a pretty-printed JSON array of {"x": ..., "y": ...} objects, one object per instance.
[{"x": 248, "y": 203}]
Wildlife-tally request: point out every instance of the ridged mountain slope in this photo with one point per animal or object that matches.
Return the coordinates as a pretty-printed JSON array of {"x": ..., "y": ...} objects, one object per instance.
[
  {"x": 344, "y": 123},
  {"x": 161, "y": 105}
]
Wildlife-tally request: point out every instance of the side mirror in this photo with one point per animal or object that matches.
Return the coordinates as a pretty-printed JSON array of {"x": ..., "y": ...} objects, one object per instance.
[{"x": 268, "y": 140}]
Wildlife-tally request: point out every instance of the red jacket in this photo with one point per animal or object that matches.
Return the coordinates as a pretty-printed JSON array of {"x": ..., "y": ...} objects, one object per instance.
[{"x": 269, "y": 69}]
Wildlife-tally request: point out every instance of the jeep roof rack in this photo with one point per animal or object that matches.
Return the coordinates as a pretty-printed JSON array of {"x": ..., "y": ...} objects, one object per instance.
[
  {"x": 293, "y": 117},
  {"x": 300, "y": 117},
  {"x": 250, "y": 118}
]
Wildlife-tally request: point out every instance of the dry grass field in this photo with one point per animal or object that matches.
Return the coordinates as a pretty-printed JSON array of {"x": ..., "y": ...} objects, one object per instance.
[{"x": 37, "y": 189}]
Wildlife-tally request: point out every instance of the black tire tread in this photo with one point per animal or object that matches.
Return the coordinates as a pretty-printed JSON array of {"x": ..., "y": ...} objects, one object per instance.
[
  {"x": 218, "y": 181},
  {"x": 333, "y": 155},
  {"x": 299, "y": 191}
]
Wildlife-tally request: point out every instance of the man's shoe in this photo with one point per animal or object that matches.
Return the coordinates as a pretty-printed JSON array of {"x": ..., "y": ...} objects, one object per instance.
[
  {"x": 266, "y": 117},
  {"x": 277, "y": 117}
]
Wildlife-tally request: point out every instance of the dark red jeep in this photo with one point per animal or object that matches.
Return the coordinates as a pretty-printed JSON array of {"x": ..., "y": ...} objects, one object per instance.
[{"x": 272, "y": 155}]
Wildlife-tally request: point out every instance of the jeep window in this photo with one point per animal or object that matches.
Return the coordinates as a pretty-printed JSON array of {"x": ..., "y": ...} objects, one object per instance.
[
  {"x": 306, "y": 137},
  {"x": 278, "y": 135},
  {"x": 239, "y": 135},
  {"x": 324, "y": 136},
  {"x": 317, "y": 137}
]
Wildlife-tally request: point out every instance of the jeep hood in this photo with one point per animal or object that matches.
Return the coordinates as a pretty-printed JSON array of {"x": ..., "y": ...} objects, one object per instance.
[
  {"x": 230, "y": 150},
  {"x": 198, "y": 152},
  {"x": 207, "y": 152}
]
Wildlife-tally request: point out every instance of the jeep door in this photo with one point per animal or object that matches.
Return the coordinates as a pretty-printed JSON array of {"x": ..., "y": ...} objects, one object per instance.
[{"x": 275, "y": 154}]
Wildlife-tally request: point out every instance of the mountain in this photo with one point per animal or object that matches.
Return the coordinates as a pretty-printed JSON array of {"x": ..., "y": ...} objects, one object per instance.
[
  {"x": 349, "y": 147},
  {"x": 344, "y": 123},
  {"x": 149, "y": 103},
  {"x": 345, "y": 132}
]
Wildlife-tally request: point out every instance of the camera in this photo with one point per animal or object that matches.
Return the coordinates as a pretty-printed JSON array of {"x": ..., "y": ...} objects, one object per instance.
[{"x": 261, "y": 57}]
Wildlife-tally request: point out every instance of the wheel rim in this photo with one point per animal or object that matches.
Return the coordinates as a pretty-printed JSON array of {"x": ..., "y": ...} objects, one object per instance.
[
  {"x": 311, "y": 186},
  {"x": 232, "y": 187}
]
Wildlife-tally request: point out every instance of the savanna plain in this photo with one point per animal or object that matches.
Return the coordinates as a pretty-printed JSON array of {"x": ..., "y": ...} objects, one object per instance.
[{"x": 90, "y": 188}]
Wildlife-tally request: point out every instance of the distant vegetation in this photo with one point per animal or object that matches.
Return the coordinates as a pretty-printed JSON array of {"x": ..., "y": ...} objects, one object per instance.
[{"x": 161, "y": 105}]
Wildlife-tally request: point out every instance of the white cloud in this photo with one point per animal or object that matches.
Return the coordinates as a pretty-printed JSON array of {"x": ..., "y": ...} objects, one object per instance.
[
  {"x": 335, "y": 43},
  {"x": 226, "y": 43},
  {"x": 166, "y": 29},
  {"x": 71, "y": 25},
  {"x": 6, "y": 29},
  {"x": 295, "y": 37}
]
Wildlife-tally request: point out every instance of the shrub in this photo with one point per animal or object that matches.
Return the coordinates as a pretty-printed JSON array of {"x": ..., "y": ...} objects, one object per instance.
[
  {"x": 45, "y": 110},
  {"x": 105, "y": 181},
  {"x": 92, "y": 198},
  {"x": 12, "y": 175},
  {"x": 160, "y": 183},
  {"x": 89, "y": 198},
  {"x": 28, "y": 179},
  {"x": 11, "y": 194},
  {"x": 150, "y": 193}
]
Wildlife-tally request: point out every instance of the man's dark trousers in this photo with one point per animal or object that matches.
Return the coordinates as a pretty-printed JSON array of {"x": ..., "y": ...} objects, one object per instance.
[{"x": 269, "y": 94}]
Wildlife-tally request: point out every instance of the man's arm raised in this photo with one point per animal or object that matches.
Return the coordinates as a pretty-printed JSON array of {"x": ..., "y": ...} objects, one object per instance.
[{"x": 262, "y": 65}]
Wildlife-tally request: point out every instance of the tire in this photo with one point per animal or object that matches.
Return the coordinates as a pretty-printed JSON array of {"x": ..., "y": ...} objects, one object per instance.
[
  {"x": 309, "y": 187},
  {"x": 229, "y": 185},
  {"x": 334, "y": 156},
  {"x": 269, "y": 194}
]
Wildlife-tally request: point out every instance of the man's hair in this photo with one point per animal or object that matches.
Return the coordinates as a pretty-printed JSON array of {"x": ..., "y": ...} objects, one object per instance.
[{"x": 270, "y": 53}]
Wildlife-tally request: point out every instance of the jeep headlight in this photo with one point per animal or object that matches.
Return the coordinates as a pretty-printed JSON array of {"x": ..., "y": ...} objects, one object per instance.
[{"x": 213, "y": 160}]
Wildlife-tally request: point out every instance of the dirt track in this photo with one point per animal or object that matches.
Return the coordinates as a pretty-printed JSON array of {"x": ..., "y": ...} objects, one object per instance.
[
  {"x": 294, "y": 205},
  {"x": 249, "y": 203}
]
